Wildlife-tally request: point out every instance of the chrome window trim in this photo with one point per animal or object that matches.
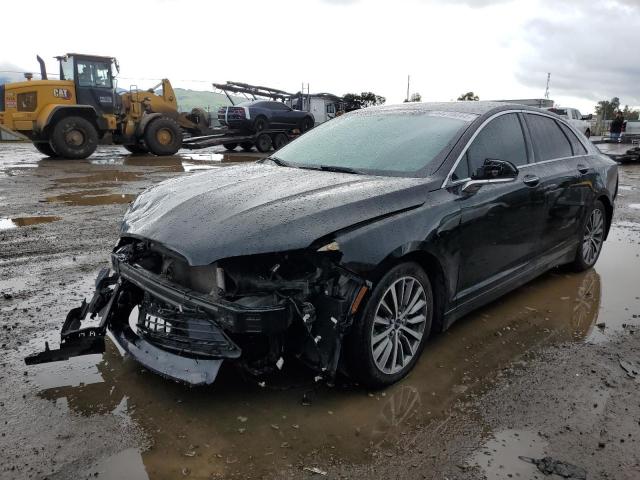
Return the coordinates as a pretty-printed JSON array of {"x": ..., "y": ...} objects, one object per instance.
[{"x": 447, "y": 180}]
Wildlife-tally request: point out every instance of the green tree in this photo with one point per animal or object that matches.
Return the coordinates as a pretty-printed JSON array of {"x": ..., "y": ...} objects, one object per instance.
[
  {"x": 469, "y": 96},
  {"x": 630, "y": 114},
  {"x": 354, "y": 101},
  {"x": 607, "y": 108}
]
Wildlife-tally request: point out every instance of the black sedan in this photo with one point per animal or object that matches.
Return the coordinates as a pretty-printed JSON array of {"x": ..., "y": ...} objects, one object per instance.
[
  {"x": 262, "y": 115},
  {"x": 352, "y": 244}
]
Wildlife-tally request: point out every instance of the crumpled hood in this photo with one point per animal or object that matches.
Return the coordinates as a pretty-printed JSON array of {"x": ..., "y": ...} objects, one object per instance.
[{"x": 256, "y": 208}]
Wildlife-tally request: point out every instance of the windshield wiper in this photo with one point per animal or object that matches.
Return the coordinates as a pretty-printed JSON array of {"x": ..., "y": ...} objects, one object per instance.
[{"x": 335, "y": 168}]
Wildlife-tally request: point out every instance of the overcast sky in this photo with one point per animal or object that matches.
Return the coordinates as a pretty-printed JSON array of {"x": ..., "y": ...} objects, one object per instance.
[{"x": 497, "y": 48}]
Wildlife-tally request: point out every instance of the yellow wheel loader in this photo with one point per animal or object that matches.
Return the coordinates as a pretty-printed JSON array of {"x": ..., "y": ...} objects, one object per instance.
[{"x": 67, "y": 117}]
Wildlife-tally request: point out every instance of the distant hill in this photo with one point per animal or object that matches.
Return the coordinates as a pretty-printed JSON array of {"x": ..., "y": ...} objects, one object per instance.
[{"x": 189, "y": 99}]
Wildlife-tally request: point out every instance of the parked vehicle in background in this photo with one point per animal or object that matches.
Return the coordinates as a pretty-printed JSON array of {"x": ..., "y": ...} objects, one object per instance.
[
  {"x": 575, "y": 118},
  {"x": 261, "y": 115},
  {"x": 352, "y": 244},
  {"x": 323, "y": 106}
]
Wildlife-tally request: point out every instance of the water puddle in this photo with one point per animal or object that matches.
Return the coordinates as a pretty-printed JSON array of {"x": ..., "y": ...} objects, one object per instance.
[
  {"x": 92, "y": 198},
  {"x": 635, "y": 206},
  {"x": 11, "y": 223},
  {"x": 498, "y": 458},
  {"x": 106, "y": 176},
  {"x": 235, "y": 427},
  {"x": 125, "y": 464}
]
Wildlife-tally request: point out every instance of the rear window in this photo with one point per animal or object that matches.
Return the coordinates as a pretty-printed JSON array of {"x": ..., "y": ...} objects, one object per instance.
[
  {"x": 548, "y": 140},
  {"x": 576, "y": 145}
]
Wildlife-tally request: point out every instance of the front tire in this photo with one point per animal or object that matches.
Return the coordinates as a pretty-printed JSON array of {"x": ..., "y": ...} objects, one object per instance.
[
  {"x": 163, "y": 136},
  {"x": 74, "y": 138},
  {"x": 46, "y": 149},
  {"x": 388, "y": 337},
  {"x": 591, "y": 238}
]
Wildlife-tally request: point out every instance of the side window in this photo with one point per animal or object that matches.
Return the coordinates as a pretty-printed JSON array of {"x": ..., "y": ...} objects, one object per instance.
[
  {"x": 576, "y": 145},
  {"x": 548, "y": 140},
  {"x": 277, "y": 106},
  {"x": 577, "y": 114},
  {"x": 500, "y": 139}
]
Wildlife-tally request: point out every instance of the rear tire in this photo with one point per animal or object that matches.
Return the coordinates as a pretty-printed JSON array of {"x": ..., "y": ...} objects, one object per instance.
[
  {"x": 74, "y": 138},
  {"x": 591, "y": 238},
  {"x": 388, "y": 335},
  {"x": 247, "y": 146},
  {"x": 263, "y": 142},
  {"x": 230, "y": 146},
  {"x": 137, "y": 149},
  {"x": 279, "y": 141},
  {"x": 306, "y": 124},
  {"x": 163, "y": 136},
  {"x": 45, "y": 149}
]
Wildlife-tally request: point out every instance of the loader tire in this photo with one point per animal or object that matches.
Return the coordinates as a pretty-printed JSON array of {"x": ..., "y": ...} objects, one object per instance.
[
  {"x": 74, "y": 138},
  {"x": 45, "y": 149},
  {"x": 163, "y": 136}
]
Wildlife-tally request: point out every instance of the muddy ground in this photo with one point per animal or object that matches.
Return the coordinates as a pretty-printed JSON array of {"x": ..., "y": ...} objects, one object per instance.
[{"x": 535, "y": 374}]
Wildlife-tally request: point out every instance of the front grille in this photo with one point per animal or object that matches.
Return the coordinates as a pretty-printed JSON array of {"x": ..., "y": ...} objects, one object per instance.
[{"x": 183, "y": 331}]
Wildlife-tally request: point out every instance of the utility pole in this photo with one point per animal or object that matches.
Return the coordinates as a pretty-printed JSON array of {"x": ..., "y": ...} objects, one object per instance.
[
  {"x": 546, "y": 92},
  {"x": 408, "y": 82}
]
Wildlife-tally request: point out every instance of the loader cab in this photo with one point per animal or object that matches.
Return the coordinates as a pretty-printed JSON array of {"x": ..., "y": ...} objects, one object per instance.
[{"x": 93, "y": 79}]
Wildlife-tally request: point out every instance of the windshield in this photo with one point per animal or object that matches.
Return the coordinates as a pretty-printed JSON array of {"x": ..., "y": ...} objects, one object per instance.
[{"x": 396, "y": 143}]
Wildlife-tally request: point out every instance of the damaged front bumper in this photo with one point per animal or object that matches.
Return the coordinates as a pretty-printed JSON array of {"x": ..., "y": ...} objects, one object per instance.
[{"x": 185, "y": 335}]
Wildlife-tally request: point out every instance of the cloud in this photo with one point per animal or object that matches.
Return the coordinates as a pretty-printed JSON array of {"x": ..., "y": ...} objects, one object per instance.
[
  {"x": 10, "y": 73},
  {"x": 590, "y": 50}
]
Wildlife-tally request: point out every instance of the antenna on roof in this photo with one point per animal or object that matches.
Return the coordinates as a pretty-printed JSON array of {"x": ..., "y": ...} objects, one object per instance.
[{"x": 546, "y": 92}]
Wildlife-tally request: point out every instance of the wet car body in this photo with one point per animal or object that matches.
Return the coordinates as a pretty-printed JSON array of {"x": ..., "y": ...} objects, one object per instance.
[{"x": 266, "y": 262}]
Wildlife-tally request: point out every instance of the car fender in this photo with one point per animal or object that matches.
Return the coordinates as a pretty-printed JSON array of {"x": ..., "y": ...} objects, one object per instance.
[{"x": 370, "y": 250}]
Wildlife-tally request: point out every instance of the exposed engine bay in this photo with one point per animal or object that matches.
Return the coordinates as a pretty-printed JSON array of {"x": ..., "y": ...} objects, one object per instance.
[{"x": 183, "y": 321}]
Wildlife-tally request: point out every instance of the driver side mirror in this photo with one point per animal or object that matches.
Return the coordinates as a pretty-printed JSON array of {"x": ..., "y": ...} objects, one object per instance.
[{"x": 491, "y": 171}]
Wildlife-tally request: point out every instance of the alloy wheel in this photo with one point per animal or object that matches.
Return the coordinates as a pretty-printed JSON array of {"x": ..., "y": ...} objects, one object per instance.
[
  {"x": 593, "y": 237},
  {"x": 398, "y": 325}
]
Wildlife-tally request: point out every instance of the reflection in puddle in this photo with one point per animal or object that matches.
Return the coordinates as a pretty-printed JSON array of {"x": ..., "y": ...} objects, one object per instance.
[
  {"x": 10, "y": 223},
  {"x": 635, "y": 206},
  {"x": 498, "y": 458},
  {"x": 108, "y": 176},
  {"x": 92, "y": 197},
  {"x": 236, "y": 427},
  {"x": 126, "y": 464}
]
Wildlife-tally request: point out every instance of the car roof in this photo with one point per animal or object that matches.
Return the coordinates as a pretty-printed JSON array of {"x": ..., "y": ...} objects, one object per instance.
[{"x": 479, "y": 108}]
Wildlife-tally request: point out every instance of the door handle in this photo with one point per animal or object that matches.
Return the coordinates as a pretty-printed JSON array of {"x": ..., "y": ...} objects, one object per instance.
[
  {"x": 583, "y": 169},
  {"x": 531, "y": 180}
]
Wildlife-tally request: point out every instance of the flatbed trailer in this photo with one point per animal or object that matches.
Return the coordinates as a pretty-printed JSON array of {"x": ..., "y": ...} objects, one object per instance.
[{"x": 231, "y": 139}]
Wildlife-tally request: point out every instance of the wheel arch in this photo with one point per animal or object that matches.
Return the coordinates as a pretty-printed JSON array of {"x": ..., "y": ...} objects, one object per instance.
[
  {"x": 608, "y": 207},
  {"x": 52, "y": 115},
  {"x": 435, "y": 271},
  {"x": 144, "y": 123}
]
